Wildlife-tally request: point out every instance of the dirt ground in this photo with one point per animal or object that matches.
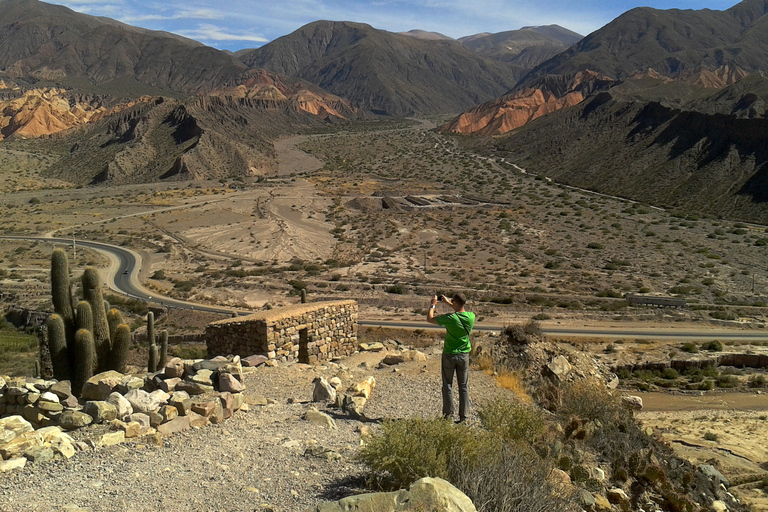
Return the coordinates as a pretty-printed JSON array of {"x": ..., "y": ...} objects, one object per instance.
[{"x": 520, "y": 246}]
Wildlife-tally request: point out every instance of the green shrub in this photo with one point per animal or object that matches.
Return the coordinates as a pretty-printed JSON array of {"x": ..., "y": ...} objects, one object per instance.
[
  {"x": 727, "y": 381},
  {"x": 689, "y": 347},
  {"x": 412, "y": 448},
  {"x": 397, "y": 289},
  {"x": 669, "y": 373},
  {"x": 713, "y": 346},
  {"x": 512, "y": 421},
  {"x": 757, "y": 381},
  {"x": 711, "y": 436}
]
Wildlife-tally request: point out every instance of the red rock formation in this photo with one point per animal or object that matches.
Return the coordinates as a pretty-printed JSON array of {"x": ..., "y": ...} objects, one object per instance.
[
  {"x": 262, "y": 85},
  {"x": 514, "y": 110}
]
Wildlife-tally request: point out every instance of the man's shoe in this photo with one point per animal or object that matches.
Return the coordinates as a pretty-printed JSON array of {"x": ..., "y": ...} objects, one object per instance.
[{"x": 460, "y": 421}]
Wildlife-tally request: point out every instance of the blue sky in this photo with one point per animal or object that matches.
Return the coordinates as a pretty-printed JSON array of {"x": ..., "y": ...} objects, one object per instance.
[{"x": 237, "y": 24}]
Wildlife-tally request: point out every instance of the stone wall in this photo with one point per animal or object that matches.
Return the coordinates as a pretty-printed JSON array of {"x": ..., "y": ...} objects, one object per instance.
[{"x": 307, "y": 333}]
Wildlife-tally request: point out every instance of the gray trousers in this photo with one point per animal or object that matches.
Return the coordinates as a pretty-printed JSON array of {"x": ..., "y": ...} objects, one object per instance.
[{"x": 458, "y": 363}]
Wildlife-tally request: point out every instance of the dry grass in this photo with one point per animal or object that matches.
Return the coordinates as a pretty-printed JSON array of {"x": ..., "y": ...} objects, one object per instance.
[{"x": 514, "y": 382}]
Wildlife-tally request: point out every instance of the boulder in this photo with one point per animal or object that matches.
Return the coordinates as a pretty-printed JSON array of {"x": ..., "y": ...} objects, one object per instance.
[
  {"x": 100, "y": 386},
  {"x": 20, "y": 444},
  {"x": 227, "y": 404},
  {"x": 11, "y": 464},
  {"x": 320, "y": 418},
  {"x": 372, "y": 347},
  {"x": 100, "y": 411},
  {"x": 168, "y": 385},
  {"x": 204, "y": 408},
  {"x": 402, "y": 357},
  {"x": 714, "y": 475},
  {"x": 364, "y": 388},
  {"x": 254, "y": 361},
  {"x": 196, "y": 420},
  {"x": 217, "y": 415},
  {"x": 617, "y": 496},
  {"x": 13, "y": 426},
  {"x": 71, "y": 420},
  {"x": 168, "y": 412},
  {"x": 62, "y": 389},
  {"x": 111, "y": 438},
  {"x": 632, "y": 402},
  {"x": 335, "y": 382},
  {"x": 182, "y": 402},
  {"x": 39, "y": 454},
  {"x": 140, "y": 418},
  {"x": 122, "y": 406},
  {"x": 177, "y": 424},
  {"x": 203, "y": 376},
  {"x": 228, "y": 382},
  {"x": 193, "y": 388},
  {"x": 174, "y": 368},
  {"x": 425, "y": 494},
  {"x": 559, "y": 368},
  {"x": 141, "y": 401},
  {"x": 322, "y": 391}
]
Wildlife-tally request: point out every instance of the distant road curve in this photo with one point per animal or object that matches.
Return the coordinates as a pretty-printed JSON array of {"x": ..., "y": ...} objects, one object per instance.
[
  {"x": 122, "y": 274},
  {"x": 122, "y": 277}
]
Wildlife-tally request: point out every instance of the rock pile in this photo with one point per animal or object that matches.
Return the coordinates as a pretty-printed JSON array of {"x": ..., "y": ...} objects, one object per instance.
[{"x": 35, "y": 414}]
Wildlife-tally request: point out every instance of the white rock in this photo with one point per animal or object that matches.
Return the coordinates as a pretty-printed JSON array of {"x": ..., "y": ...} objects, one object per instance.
[
  {"x": 11, "y": 464},
  {"x": 123, "y": 406},
  {"x": 49, "y": 397}
]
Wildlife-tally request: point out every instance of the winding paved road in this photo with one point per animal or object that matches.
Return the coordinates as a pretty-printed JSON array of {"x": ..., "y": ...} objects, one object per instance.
[{"x": 122, "y": 277}]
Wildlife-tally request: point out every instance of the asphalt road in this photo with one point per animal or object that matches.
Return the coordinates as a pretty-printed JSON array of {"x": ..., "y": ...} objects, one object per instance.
[{"x": 122, "y": 277}]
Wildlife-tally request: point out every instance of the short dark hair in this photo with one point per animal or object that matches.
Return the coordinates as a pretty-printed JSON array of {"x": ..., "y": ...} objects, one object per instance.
[{"x": 460, "y": 298}]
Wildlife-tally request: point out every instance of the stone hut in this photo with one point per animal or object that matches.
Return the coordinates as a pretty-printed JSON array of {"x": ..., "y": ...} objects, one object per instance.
[{"x": 307, "y": 333}]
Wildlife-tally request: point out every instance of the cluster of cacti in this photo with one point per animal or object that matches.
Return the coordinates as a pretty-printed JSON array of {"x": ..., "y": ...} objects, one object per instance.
[
  {"x": 157, "y": 355},
  {"x": 90, "y": 337}
]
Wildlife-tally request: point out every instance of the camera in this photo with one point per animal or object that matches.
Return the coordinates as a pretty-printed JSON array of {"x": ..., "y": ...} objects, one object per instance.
[{"x": 441, "y": 298}]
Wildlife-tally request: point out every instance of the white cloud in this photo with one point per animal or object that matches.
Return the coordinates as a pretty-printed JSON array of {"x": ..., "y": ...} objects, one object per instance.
[{"x": 213, "y": 33}]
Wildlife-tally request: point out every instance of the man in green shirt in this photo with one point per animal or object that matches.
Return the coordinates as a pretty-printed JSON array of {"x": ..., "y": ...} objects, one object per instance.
[{"x": 458, "y": 325}]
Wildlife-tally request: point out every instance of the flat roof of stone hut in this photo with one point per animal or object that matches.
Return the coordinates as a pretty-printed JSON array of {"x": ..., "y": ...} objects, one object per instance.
[{"x": 275, "y": 314}]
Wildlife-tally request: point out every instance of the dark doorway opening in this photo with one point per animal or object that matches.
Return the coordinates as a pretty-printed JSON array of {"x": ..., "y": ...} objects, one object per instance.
[{"x": 303, "y": 346}]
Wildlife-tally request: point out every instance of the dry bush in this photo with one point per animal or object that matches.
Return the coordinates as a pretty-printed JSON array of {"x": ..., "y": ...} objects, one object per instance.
[
  {"x": 517, "y": 335},
  {"x": 512, "y": 421},
  {"x": 590, "y": 400},
  {"x": 512, "y": 479},
  {"x": 514, "y": 382},
  {"x": 494, "y": 466}
]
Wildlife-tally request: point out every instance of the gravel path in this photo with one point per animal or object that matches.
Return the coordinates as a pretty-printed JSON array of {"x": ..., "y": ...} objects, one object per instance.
[{"x": 253, "y": 462}]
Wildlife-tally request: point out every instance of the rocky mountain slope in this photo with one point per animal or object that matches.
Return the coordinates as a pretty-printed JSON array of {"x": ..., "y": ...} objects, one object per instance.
[
  {"x": 700, "y": 47},
  {"x": 44, "y": 44},
  {"x": 228, "y": 132},
  {"x": 527, "y": 47},
  {"x": 666, "y": 144},
  {"x": 672, "y": 42},
  {"x": 385, "y": 72}
]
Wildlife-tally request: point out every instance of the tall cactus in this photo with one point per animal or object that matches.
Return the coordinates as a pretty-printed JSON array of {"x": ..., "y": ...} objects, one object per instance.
[
  {"x": 84, "y": 316},
  {"x": 93, "y": 340},
  {"x": 121, "y": 342},
  {"x": 114, "y": 318},
  {"x": 57, "y": 344},
  {"x": 92, "y": 293},
  {"x": 153, "y": 352},
  {"x": 163, "y": 350},
  {"x": 84, "y": 353},
  {"x": 303, "y": 295},
  {"x": 61, "y": 291}
]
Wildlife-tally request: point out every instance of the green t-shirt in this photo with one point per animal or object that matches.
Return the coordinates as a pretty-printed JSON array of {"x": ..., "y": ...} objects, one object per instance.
[{"x": 456, "y": 336}]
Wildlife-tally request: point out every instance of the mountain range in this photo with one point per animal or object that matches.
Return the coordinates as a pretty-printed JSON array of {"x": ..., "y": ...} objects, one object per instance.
[
  {"x": 112, "y": 97},
  {"x": 392, "y": 74}
]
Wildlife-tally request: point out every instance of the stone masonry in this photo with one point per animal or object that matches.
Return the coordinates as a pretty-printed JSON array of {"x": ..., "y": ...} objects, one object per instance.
[{"x": 307, "y": 333}]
